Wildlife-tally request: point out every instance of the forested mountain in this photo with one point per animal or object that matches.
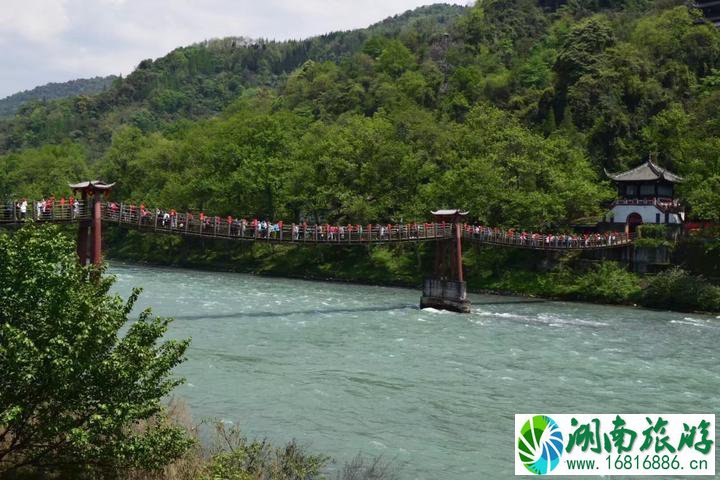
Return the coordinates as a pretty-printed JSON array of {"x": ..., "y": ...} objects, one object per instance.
[
  {"x": 511, "y": 109},
  {"x": 202, "y": 79},
  {"x": 53, "y": 91}
]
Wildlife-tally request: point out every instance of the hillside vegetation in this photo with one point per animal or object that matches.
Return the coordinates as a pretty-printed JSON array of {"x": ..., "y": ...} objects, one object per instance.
[
  {"x": 510, "y": 109},
  {"x": 10, "y": 105},
  {"x": 200, "y": 80}
]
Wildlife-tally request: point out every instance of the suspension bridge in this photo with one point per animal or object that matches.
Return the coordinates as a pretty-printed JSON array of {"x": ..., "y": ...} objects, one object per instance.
[{"x": 446, "y": 289}]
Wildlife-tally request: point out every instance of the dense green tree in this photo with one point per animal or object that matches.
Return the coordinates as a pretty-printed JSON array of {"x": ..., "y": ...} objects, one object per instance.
[
  {"x": 395, "y": 58},
  {"x": 40, "y": 172},
  {"x": 582, "y": 48},
  {"x": 76, "y": 395},
  {"x": 507, "y": 175}
]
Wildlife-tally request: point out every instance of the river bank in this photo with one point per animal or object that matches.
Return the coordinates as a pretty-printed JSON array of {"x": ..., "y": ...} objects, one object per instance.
[
  {"x": 398, "y": 284},
  {"x": 488, "y": 270}
]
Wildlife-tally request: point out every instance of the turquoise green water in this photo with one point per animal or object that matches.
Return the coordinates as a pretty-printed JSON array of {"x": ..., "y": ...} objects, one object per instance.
[{"x": 347, "y": 368}]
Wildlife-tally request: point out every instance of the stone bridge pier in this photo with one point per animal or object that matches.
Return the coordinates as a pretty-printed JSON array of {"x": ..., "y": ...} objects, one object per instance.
[{"x": 446, "y": 289}]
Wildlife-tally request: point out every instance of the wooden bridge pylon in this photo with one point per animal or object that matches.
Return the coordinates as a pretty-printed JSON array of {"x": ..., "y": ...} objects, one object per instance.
[{"x": 90, "y": 194}]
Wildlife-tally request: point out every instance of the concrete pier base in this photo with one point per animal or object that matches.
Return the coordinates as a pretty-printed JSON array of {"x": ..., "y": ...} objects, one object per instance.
[{"x": 445, "y": 295}]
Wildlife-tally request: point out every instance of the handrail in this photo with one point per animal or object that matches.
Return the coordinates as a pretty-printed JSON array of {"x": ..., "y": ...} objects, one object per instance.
[
  {"x": 215, "y": 227},
  {"x": 57, "y": 211},
  {"x": 548, "y": 241},
  {"x": 190, "y": 224}
]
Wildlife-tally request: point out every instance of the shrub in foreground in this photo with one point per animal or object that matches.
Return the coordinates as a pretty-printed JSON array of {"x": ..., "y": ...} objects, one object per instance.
[
  {"x": 236, "y": 458},
  {"x": 231, "y": 456},
  {"x": 76, "y": 397}
]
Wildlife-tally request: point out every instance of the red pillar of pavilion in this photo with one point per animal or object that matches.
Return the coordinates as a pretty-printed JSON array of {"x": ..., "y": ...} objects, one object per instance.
[
  {"x": 89, "y": 216},
  {"x": 447, "y": 289}
]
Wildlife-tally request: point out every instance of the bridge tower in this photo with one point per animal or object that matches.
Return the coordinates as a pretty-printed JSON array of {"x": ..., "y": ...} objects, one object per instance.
[
  {"x": 90, "y": 227},
  {"x": 447, "y": 290}
]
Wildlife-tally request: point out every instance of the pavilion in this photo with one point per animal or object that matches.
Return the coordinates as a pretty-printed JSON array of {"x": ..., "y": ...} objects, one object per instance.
[{"x": 646, "y": 194}]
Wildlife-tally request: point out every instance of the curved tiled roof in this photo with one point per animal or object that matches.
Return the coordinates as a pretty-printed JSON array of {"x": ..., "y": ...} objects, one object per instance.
[
  {"x": 95, "y": 184},
  {"x": 449, "y": 212},
  {"x": 647, "y": 172}
]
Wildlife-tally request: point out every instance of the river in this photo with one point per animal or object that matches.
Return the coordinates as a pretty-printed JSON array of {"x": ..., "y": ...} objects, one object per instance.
[{"x": 347, "y": 368}]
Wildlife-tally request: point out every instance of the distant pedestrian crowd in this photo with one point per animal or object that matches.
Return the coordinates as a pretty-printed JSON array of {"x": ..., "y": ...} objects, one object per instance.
[
  {"x": 544, "y": 240},
  {"x": 69, "y": 208},
  {"x": 49, "y": 208},
  {"x": 201, "y": 223}
]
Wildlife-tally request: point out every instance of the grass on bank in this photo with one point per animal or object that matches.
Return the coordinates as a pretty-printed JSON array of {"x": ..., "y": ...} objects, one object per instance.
[{"x": 230, "y": 455}]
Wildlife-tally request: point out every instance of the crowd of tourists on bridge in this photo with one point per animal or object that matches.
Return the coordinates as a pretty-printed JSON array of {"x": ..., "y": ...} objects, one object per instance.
[
  {"x": 264, "y": 229},
  {"x": 51, "y": 208},
  {"x": 544, "y": 240}
]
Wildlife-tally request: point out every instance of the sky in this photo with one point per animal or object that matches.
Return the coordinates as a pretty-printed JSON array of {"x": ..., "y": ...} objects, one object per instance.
[{"x": 45, "y": 41}]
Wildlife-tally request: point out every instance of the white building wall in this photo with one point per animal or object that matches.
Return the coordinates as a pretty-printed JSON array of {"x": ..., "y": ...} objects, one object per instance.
[{"x": 648, "y": 213}]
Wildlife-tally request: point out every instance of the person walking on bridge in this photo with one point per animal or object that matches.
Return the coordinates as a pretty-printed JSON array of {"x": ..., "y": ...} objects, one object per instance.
[{"x": 49, "y": 204}]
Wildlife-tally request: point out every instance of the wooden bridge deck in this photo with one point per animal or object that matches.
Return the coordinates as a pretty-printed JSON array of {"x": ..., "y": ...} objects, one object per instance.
[{"x": 187, "y": 224}]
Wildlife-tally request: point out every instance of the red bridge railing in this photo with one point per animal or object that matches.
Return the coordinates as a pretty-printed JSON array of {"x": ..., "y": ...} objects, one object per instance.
[
  {"x": 485, "y": 235},
  {"x": 44, "y": 212},
  {"x": 190, "y": 224}
]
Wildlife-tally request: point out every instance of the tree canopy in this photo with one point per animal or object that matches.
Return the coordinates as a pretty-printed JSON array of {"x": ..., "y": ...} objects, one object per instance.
[
  {"x": 511, "y": 108},
  {"x": 76, "y": 395}
]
